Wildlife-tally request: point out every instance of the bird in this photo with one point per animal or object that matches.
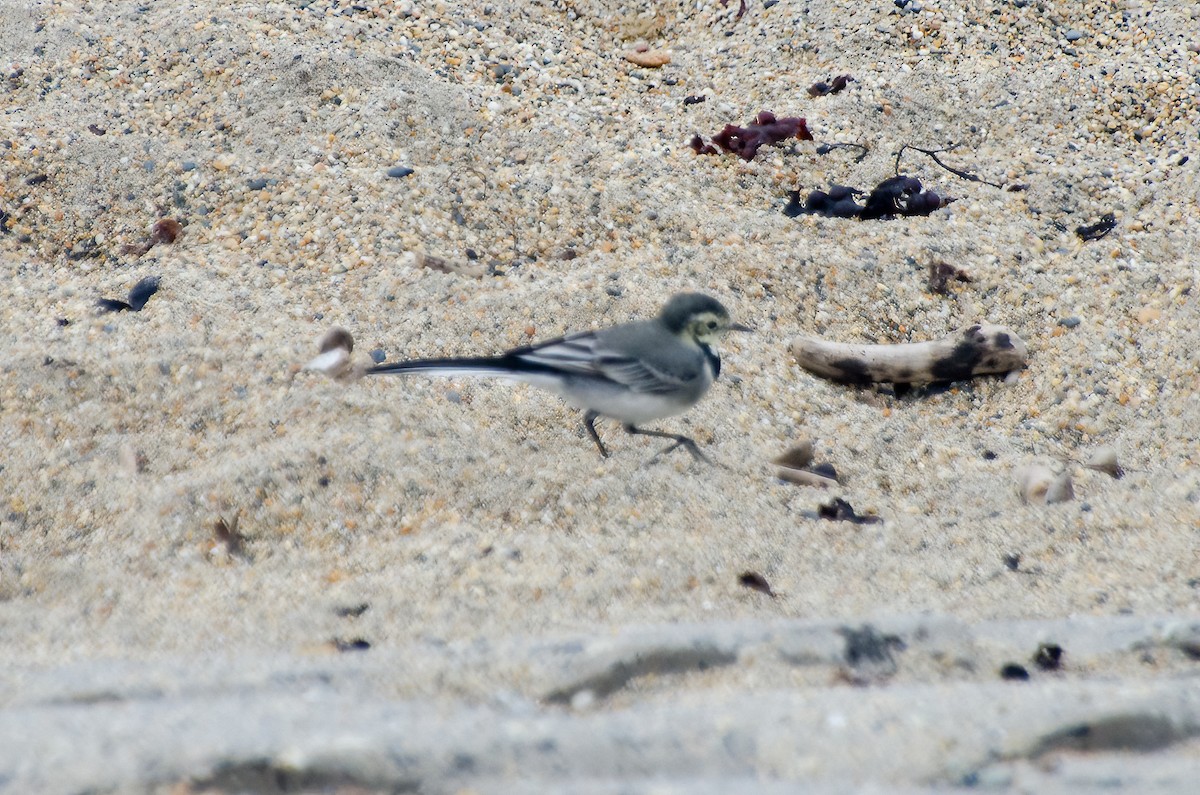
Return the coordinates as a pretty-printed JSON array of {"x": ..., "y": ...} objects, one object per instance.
[{"x": 634, "y": 373}]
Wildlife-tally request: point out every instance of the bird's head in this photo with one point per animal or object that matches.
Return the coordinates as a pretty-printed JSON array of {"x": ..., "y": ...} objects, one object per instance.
[{"x": 698, "y": 317}]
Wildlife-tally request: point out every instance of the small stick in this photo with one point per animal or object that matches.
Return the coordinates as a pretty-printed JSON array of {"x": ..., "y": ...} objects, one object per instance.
[
  {"x": 933, "y": 153},
  {"x": 824, "y": 149}
]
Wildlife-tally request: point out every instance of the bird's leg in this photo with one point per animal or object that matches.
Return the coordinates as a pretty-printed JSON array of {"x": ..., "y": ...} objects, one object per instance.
[
  {"x": 589, "y": 422},
  {"x": 680, "y": 441}
]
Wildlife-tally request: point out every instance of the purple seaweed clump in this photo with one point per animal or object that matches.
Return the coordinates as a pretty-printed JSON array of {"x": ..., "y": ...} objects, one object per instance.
[{"x": 744, "y": 142}]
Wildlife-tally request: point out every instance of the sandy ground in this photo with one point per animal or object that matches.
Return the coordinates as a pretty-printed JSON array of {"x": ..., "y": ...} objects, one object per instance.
[{"x": 471, "y": 512}]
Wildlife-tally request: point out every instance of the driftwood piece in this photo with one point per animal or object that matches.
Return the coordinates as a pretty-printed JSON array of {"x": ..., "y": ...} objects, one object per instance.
[{"x": 975, "y": 350}]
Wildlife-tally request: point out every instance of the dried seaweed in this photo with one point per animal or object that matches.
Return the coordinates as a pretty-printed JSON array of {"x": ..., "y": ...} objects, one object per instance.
[
  {"x": 1106, "y": 224},
  {"x": 896, "y": 196},
  {"x": 834, "y": 86},
  {"x": 765, "y": 130}
]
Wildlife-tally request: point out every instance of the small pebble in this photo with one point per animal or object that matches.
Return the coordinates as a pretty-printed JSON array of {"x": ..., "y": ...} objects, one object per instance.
[
  {"x": 1069, "y": 322},
  {"x": 651, "y": 59},
  {"x": 378, "y": 356},
  {"x": 1074, "y": 35},
  {"x": 397, "y": 172}
]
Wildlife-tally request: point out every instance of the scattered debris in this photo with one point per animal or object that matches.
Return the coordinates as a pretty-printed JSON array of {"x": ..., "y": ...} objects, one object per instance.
[
  {"x": 351, "y": 611},
  {"x": 975, "y": 350},
  {"x": 1048, "y": 657},
  {"x": 744, "y": 142},
  {"x": 138, "y": 297},
  {"x": 1106, "y": 224},
  {"x": 694, "y": 99},
  {"x": 867, "y": 656},
  {"x": 755, "y": 582},
  {"x": 95, "y": 129},
  {"x": 1012, "y": 561},
  {"x": 1014, "y": 672},
  {"x": 933, "y": 154},
  {"x": 900, "y": 195},
  {"x": 794, "y": 468},
  {"x": 824, "y": 149},
  {"x": 228, "y": 537},
  {"x": 834, "y": 86},
  {"x": 334, "y": 360},
  {"x": 1104, "y": 459},
  {"x": 416, "y": 259},
  {"x": 940, "y": 275},
  {"x": 841, "y": 511},
  {"x": 1039, "y": 485},
  {"x": 351, "y": 644}
]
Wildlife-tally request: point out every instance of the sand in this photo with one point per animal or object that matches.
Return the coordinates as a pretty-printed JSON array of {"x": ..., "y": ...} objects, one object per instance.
[{"x": 477, "y": 515}]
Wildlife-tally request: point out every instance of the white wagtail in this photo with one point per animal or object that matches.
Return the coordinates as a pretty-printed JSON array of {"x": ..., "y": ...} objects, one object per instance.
[{"x": 634, "y": 373}]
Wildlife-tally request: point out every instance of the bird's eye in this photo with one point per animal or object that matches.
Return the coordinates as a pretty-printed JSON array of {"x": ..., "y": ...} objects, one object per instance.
[{"x": 712, "y": 324}]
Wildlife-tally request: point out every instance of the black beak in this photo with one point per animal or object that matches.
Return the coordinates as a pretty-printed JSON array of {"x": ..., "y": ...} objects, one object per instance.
[{"x": 739, "y": 327}]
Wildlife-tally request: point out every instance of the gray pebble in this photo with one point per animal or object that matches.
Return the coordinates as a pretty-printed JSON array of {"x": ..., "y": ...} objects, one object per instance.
[
  {"x": 1074, "y": 35},
  {"x": 258, "y": 183},
  {"x": 1069, "y": 322},
  {"x": 378, "y": 356},
  {"x": 397, "y": 172},
  {"x": 188, "y": 165}
]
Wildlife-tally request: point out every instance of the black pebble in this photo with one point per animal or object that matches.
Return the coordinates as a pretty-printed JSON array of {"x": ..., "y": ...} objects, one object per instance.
[
  {"x": 141, "y": 292},
  {"x": 397, "y": 172},
  {"x": 1014, "y": 672},
  {"x": 354, "y": 644},
  {"x": 138, "y": 297}
]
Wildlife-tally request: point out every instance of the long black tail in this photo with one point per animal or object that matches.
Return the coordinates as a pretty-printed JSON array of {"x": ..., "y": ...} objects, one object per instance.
[
  {"x": 497, "y": 366},
  {"x": 479, "y": 365}
]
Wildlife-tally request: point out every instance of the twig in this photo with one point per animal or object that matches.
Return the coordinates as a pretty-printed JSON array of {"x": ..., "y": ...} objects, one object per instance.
[
  {"x": 933, "y": 153},
  {"x": 827, "y": 148}
]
